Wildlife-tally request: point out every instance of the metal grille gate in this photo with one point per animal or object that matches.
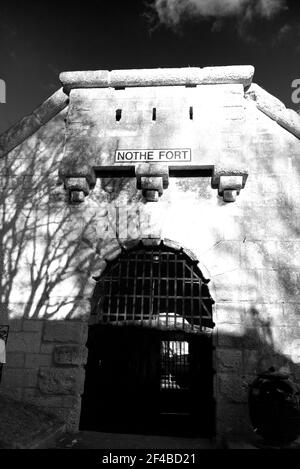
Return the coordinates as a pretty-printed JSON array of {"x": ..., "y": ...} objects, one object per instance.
[
  {"x": 155, "y": 374},
  {"x": 154, "y": 286}
]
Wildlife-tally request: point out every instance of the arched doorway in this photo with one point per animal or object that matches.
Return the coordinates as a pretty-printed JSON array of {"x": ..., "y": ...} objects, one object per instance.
[{"x": 149, "y": 364}]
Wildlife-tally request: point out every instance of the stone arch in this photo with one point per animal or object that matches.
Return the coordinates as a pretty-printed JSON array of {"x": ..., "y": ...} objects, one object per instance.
[
  {"x": 127, "y": 245},
  {"x": 101, "y": 262},
  {"x": 144, "y": 243}
]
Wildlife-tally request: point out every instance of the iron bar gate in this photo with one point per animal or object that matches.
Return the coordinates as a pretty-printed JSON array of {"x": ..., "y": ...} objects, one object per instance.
[{"x": 154, "y": 286}]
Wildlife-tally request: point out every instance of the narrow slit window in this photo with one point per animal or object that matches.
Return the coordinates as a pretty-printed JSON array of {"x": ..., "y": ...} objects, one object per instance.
[
  {"x": 191, "y": 112},
  {"x": 118, "y": 114},
  {"x": 154, "y": 114}
]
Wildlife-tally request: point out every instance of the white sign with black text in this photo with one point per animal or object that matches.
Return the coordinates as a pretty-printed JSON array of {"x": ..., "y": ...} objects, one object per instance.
[{"x": 163, "y": 155}]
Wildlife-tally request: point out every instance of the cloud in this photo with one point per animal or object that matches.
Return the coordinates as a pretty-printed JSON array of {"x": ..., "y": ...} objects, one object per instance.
[{"x": 173, "y": 12}]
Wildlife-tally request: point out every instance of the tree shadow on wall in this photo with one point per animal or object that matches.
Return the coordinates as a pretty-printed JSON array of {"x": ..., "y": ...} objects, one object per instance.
[{"x": 43, "y": 240}]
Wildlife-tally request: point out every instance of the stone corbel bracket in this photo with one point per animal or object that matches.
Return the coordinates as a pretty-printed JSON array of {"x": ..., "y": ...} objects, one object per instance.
[
  {"x": 152, "y": 179},
  {"x": 78, "y": 178},
  {"x": 229, "y": 183}
]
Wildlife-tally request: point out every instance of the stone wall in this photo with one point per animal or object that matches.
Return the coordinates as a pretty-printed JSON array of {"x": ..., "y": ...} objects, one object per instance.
[
  {"x": 45, "y": 355},
  {"x": 249, "y": 249},
  {"x": 44, "y": 365}
]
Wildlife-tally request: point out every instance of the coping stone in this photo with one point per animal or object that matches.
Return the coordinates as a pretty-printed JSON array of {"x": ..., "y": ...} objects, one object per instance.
[{"x": 185, "y": 76}]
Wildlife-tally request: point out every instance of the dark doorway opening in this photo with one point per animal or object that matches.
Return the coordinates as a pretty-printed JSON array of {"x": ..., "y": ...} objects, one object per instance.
[
  {"x": 149, "y": 367},
  {"x": 142, "y": 380}
]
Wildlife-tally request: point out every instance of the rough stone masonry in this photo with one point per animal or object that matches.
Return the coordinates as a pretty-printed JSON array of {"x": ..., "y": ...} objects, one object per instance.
[{"x": 72, "y": 198}]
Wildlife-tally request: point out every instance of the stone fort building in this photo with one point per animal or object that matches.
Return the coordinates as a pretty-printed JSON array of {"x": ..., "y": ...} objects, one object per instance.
[{"x": 150, "y": 249}]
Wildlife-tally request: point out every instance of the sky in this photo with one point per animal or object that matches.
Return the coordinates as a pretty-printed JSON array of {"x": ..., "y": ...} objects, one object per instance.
[{"x": 40, "y": 39}]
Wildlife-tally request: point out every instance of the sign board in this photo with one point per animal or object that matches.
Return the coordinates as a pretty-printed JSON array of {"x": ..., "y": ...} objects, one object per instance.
[{"x": 157, "y": 156}]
